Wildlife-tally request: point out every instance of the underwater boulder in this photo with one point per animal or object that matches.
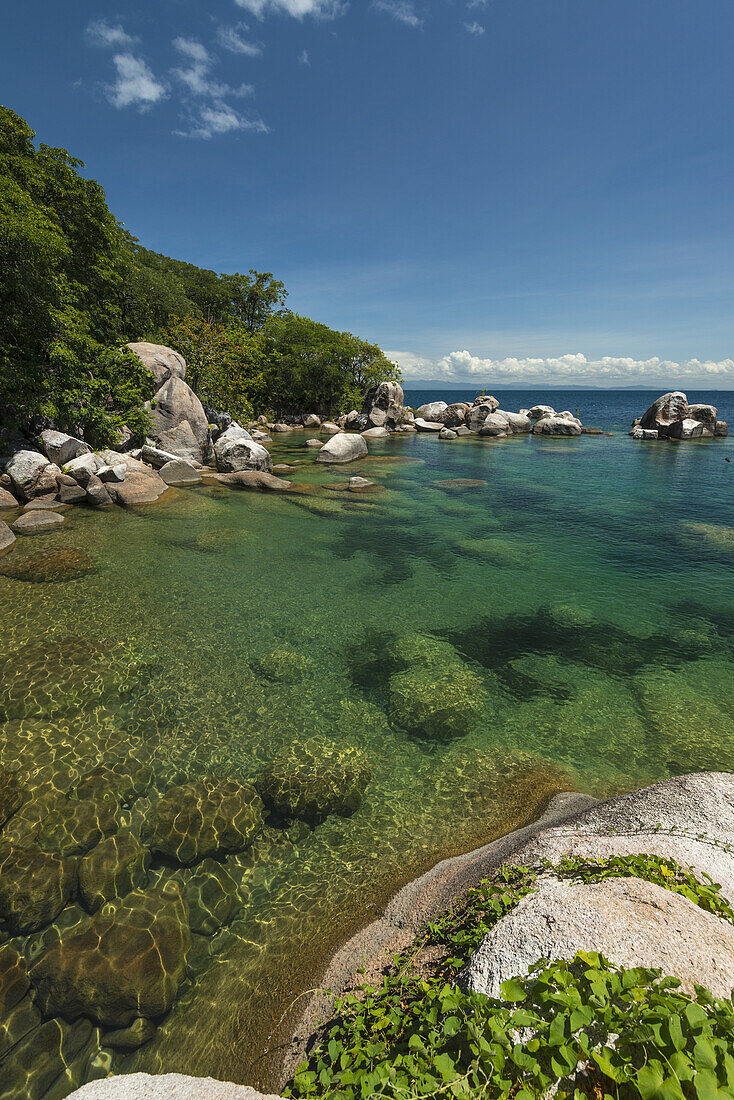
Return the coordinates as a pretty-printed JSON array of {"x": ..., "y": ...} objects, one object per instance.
[
  {"x": 34, "y": 887},
  {"x": 283, "y": 664},
  {"x": 12, "y": 794},
  {"x": 313, "y": 779},
  {"x": 200, "y": 819},
  {"x": 115, "y": 867},
  {"x": 126, "y": 961},
  {"x": 436, "y": 703},
  {"x": 73, "y": 826},
  {"x": 211, "y": 897}
]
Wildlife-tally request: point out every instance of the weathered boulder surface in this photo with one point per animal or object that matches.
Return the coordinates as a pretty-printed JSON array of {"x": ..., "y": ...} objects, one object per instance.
[
  {"x": 704, "y": 414},
  {"x": 433, "y": 411},
  {"x": 375, "y": 433},
  {"x": 179, "y": 472},
  {"x": 311, "y": 420},
  {"x": 345, "y": 447},
  {"x": 630, "y": 921},
  {"x": 494, "y": 424},
  {"x": 200, "y": 819},
  {"x": 456, "y": 414},
  {"x": 478, "y": 413},
  {"x": 7, "y": 500},
  {"x": 83, "y": 467},
  {"x": 722, "y": 429},
  {"x": 664, "y": 412},
  {"x": 126, "y": 961},
  {"x": 447, "y": 433},
  {"x": 37, "y": 522},
  {"x": 181, "y": 442},
  {"x": 161, "y": 361},
  {"x": 236, "y": 450},
  {"x": 97, "y": 494},
  {"x": 167, "y": 1086},
  {"x": 518, "y": 423},
  {"x": 487, "y": 399},
  {"x": 383, "y": 405},
  {"x": 256, "y": 481},
  {"x": 688, "y": 428},
  {"x": 211, "y": 897},
  {"x": 24, "y": 470},
  {"x": 138, "y": 487},
  {"x": 539, "y": 411},
  {"x": 422, "y": 425},
  {"x": 61, "y": 448},
  {"x": 555, "y": 426},
  {"x": 175, "y": 402}
]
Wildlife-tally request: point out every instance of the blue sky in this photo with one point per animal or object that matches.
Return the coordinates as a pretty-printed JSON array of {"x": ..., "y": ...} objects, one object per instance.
[{"x": 508, "y": 190}]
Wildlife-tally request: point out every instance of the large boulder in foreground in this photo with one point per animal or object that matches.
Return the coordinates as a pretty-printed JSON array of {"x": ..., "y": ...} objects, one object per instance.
[
  {"x": 343, "y": 448},
  {"x": 236, "y": 450},
  {"x": 61, "y": 448},
  {"x": 175, "y": 402},
  {"x": 24, "y": 470},
  {"x": 161, "y": 361},
  {"x": 433, "y": 411},
  {"x": 34, "y": 887},
  {"x": 664, "y": 412},
  {"x": 630, "y": 921},
  {"x": 383, "y": 405},
  {"x": 126, "y": 961}
]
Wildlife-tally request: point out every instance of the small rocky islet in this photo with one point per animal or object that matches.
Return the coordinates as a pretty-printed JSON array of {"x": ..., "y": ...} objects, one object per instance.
[{"x": 113, "y": 876}]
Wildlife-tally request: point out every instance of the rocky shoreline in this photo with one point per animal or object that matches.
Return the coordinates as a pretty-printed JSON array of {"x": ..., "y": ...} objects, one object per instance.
[
  {"x": 42, "y": 478},
  {"x": 688, "y": 819}
]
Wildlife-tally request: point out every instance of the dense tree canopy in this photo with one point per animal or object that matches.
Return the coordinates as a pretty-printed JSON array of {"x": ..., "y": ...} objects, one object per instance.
[{"x": 75, "y": 286}]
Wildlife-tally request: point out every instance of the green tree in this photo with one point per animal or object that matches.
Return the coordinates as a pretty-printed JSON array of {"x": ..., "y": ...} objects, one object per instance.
[{"x": 254, "y": 298}]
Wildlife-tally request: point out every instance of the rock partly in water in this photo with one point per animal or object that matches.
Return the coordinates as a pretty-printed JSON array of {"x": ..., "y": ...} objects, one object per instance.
[
  {"x": 179, "y": 472},
  {"x": 422, "y": 425},
  {"x": 664, "y": 412},
  {"x": 685, "y": 429},
  {"x": 236, "y": 450},
  {"x": 180, "y": 442},
  {"x": 37, "y": 522},
  {"x": 255, "y": 481},
  {"x": 432, "y": 411},
  {"x": 137, "y": 488},
  {"x": 203, "y": 818},
  {"x": 7, "y": 500},
  {"x": 175, "y": 402},
  {"x": 345, "y": 447},
  {"x": 7, "y": 538},
  {"x": 126, "y": 961},
  {"x": 434, "y": 702},
  {"x": 314, "y": 779},
  {"x": 494, "y": 424},
  {"x": 556, "y": 426},
  {"x": 24, "y": 471},
  {"x": 97, "y": 494}
]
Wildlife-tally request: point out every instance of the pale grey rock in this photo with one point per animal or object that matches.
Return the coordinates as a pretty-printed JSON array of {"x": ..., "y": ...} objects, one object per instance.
[
  {"x": 139, "y": 487},
  {"x": 166, "y": 1086},
  {"x": 539, "y": 411},
  {"x": 24, "y": 470},
  {"x": 7, "y": 538},
  {"x": 181, "y": 442},
  {"x": 463, "y": 430},
  {"x": 82, "y": 468},
  {"x": 447, "y": 433},
  {"x": 47, "y": 480},
  {"x": 330, "y": 428},
  {"x": 37, "y": 522},
  {"x": 383, "y": 405},
  {"x": 112, "y": 473},
  {"x": 376, "y": 433},
  {"x": 311, "y": 420},
  {"x": 360, "y": 483},
  {"x": 7, "y": 500},
  {"x": 495, "y": 424},
  {"x": 685, "y": 429},
  {"x": 517, "y": 423},
  {"x": 236, "y": 450},
  {"x": 665, "y": 412},
  {"x": 345, "y": 447},
  {"x": 477, "y": 414},
  {"x": 644, "y": 433},
  {"x": 314, "y": 443},
  {"x": 434, "y": 411},
  {"x": 630, "y": 921},
  {"x": 175, "y": 402},
  {"x": 280, "y": 427},
  {"x": 722, "y": 429},
  {"x": 556, "y": 426},
  {"x": 161, "y": 361},
  {"x": 422, "y": 425},
  {"x": 179, "y": 472},
  {"x": 487, "y": 399},
  {"x": 61, "y": 448},
  {"x": 157, "y": 457}
]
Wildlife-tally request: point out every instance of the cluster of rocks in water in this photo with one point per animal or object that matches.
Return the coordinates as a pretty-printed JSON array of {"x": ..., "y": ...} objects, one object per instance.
[
  {"x": 112, "y": 895},
  {"x": 671, "y": 417}
]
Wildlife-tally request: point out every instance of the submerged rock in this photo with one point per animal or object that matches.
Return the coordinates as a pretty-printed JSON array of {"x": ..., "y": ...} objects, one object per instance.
[
  {"x": 49, "y": 1060},
  {"x": 126, "y": 961},
  {"x": 139, "y": 1032},
  {"x": 200, "y": 819},
  {"x": 434, "y": 702},
  {"x": 34, "y": 887},
  {"x": 211, "y": 897},
  {"x": 58, "y": 563},
  {"x": 114, "y": 868},
  {"x": 7, "y": 538},
  {"x": 37, "y": 522},
  {"x": 12, "y": 794},
  {"x": 314, "y": 779},
  {"x": 284, "y": 664},
  {"x": 345, "y": 447}
]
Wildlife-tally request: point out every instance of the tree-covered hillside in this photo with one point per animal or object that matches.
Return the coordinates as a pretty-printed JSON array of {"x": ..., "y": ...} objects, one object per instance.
[{"x": 75, "y": 286}]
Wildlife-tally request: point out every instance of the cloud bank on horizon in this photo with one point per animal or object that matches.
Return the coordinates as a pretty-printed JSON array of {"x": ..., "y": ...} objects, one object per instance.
[{"x": 573, "y": 369}]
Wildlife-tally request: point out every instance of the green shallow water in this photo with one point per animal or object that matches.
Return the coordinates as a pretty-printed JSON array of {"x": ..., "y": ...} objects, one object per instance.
[{"x": 580, "y": 595}]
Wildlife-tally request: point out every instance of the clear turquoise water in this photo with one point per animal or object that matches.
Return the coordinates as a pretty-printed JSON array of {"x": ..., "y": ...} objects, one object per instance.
[{"x": 581, "y": 596}]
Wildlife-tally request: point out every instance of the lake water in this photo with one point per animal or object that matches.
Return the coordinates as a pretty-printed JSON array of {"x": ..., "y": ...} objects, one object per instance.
[{"x": 506, "y": 619}]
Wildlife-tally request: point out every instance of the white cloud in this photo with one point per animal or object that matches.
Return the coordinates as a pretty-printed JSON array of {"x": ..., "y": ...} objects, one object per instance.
[
  {"x": 219, "y": 119},
  {"x": 474, "y": 28},
  {"x": 230, "y": 38},
  {"x": 196, "y": 75},
  {"x": 102, "y": 33},
  {"x": 303, "y": 58},
  {"x": 571, "y": 369},
  {"x": 320, "y": 9},
  {"x": 401, "y": 10},
  {"x": 135, "y": 86}
]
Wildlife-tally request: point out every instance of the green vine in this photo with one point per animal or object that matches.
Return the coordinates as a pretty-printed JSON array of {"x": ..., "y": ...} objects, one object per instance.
[{"x": 581, "y": 1028}]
